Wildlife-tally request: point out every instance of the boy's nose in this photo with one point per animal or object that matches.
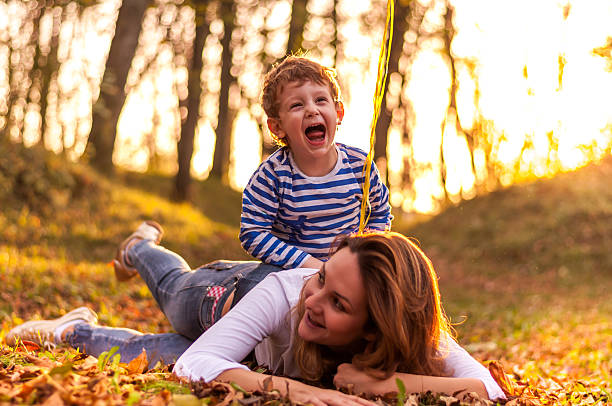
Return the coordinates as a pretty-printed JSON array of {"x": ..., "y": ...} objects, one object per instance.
[{"x": 311, "y": 111}]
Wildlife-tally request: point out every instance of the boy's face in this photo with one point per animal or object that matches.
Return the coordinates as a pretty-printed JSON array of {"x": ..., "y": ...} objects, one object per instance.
[{"x": 307, "y": 120}]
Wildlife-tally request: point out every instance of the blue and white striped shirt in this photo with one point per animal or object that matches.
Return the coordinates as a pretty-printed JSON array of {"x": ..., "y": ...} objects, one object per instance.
[{"x": 288, "y": 216}]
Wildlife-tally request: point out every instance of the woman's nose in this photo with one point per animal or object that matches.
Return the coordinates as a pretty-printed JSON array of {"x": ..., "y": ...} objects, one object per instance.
[{"x": 313, "y": 301}]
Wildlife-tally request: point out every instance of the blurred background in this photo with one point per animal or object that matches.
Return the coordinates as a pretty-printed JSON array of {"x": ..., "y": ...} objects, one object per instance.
[{"x": 480, "y": 94}]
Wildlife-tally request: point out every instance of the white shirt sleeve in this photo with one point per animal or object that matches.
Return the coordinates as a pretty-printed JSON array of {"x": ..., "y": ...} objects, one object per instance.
[
  {"x": 226, "y": 343},
  {"x": 460, "y": 364}
]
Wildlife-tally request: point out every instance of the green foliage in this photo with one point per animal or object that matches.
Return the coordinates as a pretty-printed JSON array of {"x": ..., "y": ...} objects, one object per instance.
[
  {"x": 109, "y": 358},
  {"x": 40, "y": 179},
  {"x": 401, "y": 392}
]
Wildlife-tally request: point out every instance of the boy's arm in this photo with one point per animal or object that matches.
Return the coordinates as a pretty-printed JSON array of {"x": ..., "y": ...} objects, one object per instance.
[
  {"x": 380, "y": 216},
  {"x": 260, "y": 203}
]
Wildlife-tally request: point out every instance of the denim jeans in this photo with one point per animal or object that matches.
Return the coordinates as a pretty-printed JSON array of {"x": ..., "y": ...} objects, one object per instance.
[{"x": 184, "y": 297}]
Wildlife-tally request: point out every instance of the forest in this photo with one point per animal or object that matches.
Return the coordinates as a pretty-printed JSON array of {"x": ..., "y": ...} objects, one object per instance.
[{"x": 494, "y": 138}]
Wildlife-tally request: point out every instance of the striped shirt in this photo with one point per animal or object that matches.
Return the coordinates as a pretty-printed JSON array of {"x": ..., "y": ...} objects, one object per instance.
[{"x": 288, "y": 216}]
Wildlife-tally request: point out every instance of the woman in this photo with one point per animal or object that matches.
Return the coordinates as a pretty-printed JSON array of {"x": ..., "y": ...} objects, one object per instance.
[{"x": 369, "y": 316}]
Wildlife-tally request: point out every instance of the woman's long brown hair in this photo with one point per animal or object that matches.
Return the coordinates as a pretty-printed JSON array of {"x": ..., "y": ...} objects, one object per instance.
[{"x": 405, "y": 314}]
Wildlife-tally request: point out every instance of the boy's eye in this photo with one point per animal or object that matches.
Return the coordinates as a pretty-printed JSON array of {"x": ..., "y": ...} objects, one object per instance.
[
  {"x": 321, "y": 99},
  {"x": 295, "y": 105}
]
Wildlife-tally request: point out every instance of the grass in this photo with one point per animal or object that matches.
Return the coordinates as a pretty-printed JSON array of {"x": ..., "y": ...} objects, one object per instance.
[{"x": 525, "y": 272}]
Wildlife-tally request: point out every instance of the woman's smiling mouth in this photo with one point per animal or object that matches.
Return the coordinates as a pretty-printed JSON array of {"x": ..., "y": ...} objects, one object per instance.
[{"x": 311, "y": 322}]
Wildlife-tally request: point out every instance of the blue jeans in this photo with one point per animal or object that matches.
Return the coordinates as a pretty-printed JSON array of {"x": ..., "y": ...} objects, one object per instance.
[{"x": 182, "y": 294}]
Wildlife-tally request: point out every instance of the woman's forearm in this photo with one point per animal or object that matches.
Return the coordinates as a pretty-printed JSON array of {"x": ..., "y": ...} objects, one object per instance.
[
  {"x": 297, "y": 391},
  {"x": 251, "y": 380},
  {"x": 422, "y": 383}
]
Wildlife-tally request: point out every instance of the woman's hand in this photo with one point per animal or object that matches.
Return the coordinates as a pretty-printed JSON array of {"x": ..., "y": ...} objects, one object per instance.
[
  {"x": 322, "y": 397},
  {"x": 297, "y": 391},
  {"x": 349, "y": 375}
]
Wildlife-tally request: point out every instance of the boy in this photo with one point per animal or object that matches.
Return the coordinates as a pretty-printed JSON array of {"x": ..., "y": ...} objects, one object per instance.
[{"x": 310, "y": 190}]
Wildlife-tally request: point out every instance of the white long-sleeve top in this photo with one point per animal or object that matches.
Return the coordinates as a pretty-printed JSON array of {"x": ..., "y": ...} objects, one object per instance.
[{"x": 263, "y": 321}]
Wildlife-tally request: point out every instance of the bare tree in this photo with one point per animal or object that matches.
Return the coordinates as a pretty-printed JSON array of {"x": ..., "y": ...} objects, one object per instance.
[
  {"x": 107, "y": 108},
  {"x": 400, "y": 26},
  {"x": 299, "y": 14},
  {"x": 221, "y": 156},
  {"x": 182, "y": 181}
]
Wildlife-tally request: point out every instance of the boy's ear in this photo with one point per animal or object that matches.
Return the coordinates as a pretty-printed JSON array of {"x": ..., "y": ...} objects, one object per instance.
[
  {"x": 275, "y": 127},
  {"x": 339, "y": 111}
]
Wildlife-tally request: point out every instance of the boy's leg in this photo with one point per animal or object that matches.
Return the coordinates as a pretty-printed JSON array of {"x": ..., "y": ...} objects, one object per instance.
[
  {"x": 191, "y": 300},
  {"x": 94, "y": 340}
]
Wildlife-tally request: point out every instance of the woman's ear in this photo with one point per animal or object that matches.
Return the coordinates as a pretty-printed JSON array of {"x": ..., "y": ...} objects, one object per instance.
[
  {"x": 275, "y": 127},
  {"x": 370, "y": 337}
]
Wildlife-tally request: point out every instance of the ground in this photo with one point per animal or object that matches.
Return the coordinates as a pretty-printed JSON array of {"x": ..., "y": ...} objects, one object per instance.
[{"x": 524, "y": 274}]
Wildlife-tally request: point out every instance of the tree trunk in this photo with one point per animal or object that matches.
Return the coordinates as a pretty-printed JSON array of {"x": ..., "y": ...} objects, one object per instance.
[
  {"x": 400, "y": 25},
  {"x": 296, "y": 26},
  {"x": 48, "y": 71},
  {"x": 112, "y": 89},
  {"x": 299, "y": 14},
  {"x": 182, "y": 181},
  {"x": 221, "y": 156}
]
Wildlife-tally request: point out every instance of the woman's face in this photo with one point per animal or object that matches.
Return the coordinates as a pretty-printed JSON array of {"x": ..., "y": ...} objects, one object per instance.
[{"x": 335, "y": 303}]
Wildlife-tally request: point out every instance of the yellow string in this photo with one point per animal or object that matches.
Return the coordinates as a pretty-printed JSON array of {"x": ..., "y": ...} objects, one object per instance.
[{"x": 383, "y": 63}]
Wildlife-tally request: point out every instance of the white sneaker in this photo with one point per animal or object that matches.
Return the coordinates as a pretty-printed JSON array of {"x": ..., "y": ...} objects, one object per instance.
[{"x": 42, "y": 332}]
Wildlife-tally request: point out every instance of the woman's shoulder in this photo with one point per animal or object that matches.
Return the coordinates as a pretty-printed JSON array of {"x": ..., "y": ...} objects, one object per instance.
[{"x": 290, "y": 281}]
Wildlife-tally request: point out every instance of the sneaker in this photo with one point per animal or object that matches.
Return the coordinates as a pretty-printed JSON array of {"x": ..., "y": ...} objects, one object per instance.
[
  {"x": 42, "y": 332},
  {"x": 149, "y": 230}
]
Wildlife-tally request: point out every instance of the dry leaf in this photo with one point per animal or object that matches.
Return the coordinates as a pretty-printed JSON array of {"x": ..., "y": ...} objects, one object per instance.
[
  {"x": 29, "y": 346},
  {"x": 497, "y": 372},
  {"x": 139, "y": 364}
]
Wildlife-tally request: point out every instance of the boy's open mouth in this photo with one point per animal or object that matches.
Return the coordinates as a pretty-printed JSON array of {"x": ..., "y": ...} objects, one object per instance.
[{"x": 315, "y": 133}]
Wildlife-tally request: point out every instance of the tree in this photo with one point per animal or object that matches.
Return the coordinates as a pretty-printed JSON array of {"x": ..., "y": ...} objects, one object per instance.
[
  {"x": 400, "y": 26},
  {"x": 223, "y": 132},
  {"x": 299, "y": 14},
  {"x": 182, "y": 181},
  {"x": 107, "y": 108}
]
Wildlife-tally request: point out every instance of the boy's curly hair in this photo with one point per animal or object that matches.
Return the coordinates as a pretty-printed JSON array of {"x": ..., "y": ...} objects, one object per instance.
[{"x": 295, "y": 68}]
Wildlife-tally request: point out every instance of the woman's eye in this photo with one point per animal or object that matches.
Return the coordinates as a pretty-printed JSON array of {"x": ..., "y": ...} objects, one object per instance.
[
  {"x": 338, "y": 304},
  {"x": 320, "y": 278}
]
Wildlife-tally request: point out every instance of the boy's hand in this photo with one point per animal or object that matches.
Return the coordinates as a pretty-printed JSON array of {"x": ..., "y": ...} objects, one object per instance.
[{"x": 312, "y": 262}]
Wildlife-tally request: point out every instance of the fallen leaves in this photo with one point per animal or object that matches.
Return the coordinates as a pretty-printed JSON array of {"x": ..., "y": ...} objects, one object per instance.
[{"x": 33, "y": 378}]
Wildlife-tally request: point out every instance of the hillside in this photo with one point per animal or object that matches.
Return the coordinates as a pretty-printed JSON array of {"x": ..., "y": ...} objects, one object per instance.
[
  {"x": 526, "y": 273},
  {"x": 525, "y": 269}
]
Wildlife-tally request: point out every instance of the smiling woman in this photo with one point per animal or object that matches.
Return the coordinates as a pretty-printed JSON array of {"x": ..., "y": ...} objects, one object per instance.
[{"x": 370, "y": 316}]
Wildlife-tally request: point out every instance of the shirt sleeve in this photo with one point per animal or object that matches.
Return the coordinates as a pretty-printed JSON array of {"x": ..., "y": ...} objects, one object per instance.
[
  {"x": 260, "y": 203},
  {"x": 460, "y": 364},
  {"x": 380, "y": 215},
  {"x": 226, "y": 343}
]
